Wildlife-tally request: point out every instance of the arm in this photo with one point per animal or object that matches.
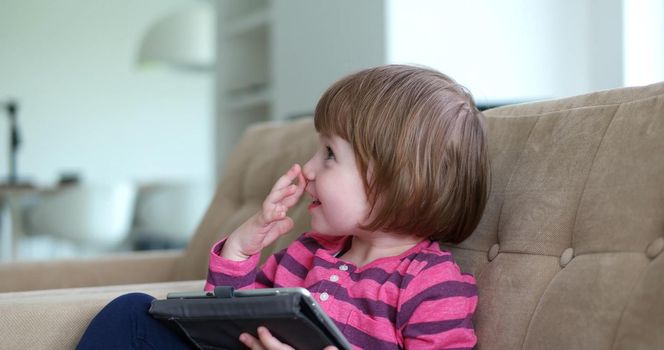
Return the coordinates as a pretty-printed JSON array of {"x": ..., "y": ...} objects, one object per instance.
[
  {"x": 241, "y": 274},
  {"x": 233, "y": 261},
  {"x": 437, "y": 312}
]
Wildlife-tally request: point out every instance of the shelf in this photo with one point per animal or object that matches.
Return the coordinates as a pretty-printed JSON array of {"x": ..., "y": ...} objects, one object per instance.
[
  {"x": 252, "y": 21},
  {"x": 236, "y": 102}
]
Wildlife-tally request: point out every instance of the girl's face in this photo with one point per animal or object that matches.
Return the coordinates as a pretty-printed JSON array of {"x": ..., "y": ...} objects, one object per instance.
[{"x": 339, "y": 201}]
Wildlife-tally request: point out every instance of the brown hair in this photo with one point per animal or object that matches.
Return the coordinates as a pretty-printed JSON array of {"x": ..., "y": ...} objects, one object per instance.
[{"x": 424, "y": 141}]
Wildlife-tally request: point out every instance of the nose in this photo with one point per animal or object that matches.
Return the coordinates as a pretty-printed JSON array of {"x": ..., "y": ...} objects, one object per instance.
[{"x": 308, "y": 170}]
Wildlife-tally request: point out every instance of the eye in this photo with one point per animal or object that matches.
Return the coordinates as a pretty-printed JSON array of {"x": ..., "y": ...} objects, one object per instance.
[{"x": 330, "y": 153}]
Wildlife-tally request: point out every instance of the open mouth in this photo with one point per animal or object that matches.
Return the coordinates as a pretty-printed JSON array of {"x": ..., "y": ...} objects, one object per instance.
[{"x": 315, "y": 203}]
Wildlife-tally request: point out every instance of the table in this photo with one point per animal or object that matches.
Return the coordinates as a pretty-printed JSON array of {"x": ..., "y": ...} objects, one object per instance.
[{"x": 13, "y": 199}]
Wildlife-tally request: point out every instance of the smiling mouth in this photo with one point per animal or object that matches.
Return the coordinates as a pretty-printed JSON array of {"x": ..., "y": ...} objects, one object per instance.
[{"x": 314, "y": 204}]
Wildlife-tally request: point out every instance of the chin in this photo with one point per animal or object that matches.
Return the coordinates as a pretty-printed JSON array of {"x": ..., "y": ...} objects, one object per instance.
[{"x": 338, "y": 229}]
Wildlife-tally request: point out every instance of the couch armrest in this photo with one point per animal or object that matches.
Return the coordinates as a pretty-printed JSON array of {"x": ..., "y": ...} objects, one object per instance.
[
  {"x": 144, "y": 267},
  {"x": 56, "y": 319}
]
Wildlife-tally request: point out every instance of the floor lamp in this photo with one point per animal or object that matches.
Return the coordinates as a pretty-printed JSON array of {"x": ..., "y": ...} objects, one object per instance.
[{"x": 11, "y": 107}]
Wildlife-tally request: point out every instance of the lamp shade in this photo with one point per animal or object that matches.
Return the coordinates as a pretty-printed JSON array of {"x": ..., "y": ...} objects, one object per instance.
[{"x": 184, "y": 38}]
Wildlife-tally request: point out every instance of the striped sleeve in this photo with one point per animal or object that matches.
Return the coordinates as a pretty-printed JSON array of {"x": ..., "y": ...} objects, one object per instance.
[
  {"x": 438, "y": 308},
  {"x": 240, "y": 274},
  {"x": 290, "y": 266}
]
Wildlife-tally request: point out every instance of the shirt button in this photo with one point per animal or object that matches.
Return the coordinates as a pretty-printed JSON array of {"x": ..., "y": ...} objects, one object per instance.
[
  {"x": 334, "y": 278},
  {"x": 343, "y": 267},
  {"x": 324, "y": 296}
]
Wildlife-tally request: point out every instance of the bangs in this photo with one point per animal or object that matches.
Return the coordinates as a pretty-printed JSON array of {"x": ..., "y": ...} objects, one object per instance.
[{"x": 334, "y": 115}]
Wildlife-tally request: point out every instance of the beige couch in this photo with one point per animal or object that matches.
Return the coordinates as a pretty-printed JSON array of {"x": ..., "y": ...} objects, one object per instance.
[{"x": 568, "y": 254}]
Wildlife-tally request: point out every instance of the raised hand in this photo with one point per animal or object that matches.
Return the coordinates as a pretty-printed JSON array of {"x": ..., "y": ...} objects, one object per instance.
[{"x": 271, "y": 221}]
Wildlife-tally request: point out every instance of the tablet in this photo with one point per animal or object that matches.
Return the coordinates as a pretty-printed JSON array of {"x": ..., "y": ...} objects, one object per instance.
[{"x": 215, "y": 320}]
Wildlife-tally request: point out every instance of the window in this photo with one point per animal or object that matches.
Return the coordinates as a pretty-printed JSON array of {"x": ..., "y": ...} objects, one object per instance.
[{"x": 643, "y": 40}]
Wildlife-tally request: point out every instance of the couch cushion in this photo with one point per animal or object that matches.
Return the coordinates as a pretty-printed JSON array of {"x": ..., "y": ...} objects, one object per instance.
[{"x": 56, "y": 319}]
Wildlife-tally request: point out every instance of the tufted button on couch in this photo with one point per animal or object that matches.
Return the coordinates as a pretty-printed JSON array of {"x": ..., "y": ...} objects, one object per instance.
[{"x": 568, "y": 255}]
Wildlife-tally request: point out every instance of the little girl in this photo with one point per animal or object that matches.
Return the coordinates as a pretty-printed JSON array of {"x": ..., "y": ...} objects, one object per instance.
[{"x": 402, "y": 164}]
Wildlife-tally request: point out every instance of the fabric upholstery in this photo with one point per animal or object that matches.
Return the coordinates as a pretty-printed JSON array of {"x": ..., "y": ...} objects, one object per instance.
[
  {"x": 568, "y": 254},
  {"x": 582, "y": 177},
  {"x": 144, "y": 267},
  {"x": 56, "y": 319}
]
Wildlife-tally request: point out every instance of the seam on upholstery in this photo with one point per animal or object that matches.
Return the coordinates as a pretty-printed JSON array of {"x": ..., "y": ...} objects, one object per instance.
[
  {"x": 629, "y": 302},
  {"x": 527, "y": 253},
  {"x": 612, "y": 252},
  {"x": 556, "y": 111},
  {"x": 537, "y": 307},
  {"x": 630, "y": 299},
  {"x": 507, "y": 185},
  {"x": 509, "y": 181},
  {"x": 540, "y": 112},
  {"x": 479, "y": 274},
  {"x": 590, "y": 170},
  {"x": 539, "y": 301},
  {"x": 504, "y": 191},
  {"x": 558, "y": 256}
]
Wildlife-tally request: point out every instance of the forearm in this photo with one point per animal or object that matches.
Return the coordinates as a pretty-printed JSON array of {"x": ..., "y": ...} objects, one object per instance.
[
  {"x": 222, "y": 271},
  {"x": 233, "y": 261},
  {"x": 232, "y": 248}
]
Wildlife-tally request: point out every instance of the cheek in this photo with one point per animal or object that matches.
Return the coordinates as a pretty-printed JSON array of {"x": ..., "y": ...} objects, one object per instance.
[{"x": 346, "y": 199}]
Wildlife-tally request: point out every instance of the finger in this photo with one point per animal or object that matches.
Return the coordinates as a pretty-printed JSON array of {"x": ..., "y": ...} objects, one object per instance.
[
  {"x": 301, "y": 181},
  {"x": 288, "y": 177},
  {"x": 330, "y": 348},
  {"x": 272, "y": 213},
  {"x": 278, "y": 195},
  {"x": 251, "y": 342},
  {"x": 270, "y": 341},
  {"x": 293, "y": 198}
]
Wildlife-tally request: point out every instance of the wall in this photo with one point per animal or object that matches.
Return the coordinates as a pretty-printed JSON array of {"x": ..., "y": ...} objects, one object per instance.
[
  {"x": 512, "y": 50},
  {"x": 319, "y": 42},
  {"x": 85, "y": 104},
  {"x": 643, "y": 38}
]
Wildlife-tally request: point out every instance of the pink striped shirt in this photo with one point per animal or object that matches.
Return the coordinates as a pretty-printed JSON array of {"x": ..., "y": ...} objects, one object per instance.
[{"x": 416, "y": 300}]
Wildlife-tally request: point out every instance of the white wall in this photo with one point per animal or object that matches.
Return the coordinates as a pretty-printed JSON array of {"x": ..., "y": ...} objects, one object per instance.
[
  {"x": 87, "y": 107},
  {"x": 512, "y": 50},
  {"x": 319, "y": 42},
  {"x": 644, "y": 41}
]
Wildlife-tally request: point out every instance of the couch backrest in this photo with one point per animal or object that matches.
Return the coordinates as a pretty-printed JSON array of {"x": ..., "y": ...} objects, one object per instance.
[{"x": 568, "y": 253}]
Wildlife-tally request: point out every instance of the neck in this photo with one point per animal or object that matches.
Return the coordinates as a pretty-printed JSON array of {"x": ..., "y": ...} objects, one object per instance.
[{"x": 366, "y": 248}]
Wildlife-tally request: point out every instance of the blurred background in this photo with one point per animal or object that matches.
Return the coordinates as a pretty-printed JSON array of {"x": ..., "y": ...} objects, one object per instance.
[{"x": 117, "y": 116}]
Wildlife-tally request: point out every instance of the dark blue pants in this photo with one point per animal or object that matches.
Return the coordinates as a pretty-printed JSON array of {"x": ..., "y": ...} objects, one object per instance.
[{"x": 126, "y": 324}]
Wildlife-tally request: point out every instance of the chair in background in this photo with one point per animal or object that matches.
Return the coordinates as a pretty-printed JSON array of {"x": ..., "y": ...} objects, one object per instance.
[
  {"x": 78, "y": 220},
  {"x": 166, "y": 214}
]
